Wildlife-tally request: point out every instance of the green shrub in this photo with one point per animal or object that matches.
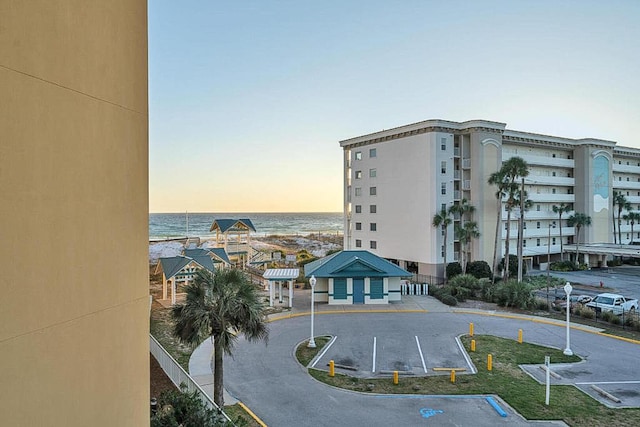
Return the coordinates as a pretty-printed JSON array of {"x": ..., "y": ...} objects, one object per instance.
[
  {"x": 449, "y": 300},
  {"x": 513, "y": 265},
  {"x": 541, "y": 304},
  {"x": 488, "y": 291},
  {"x": 466, "y": 281},
  {"x": 184, "y": 408},
  {"x": 587, "y": 313},
  {"x": 479, "y": 269},
  {"x": 564, "y": 266},
  {"x": 628, "y": 321},
  {"x": 615, "y": 320},
  {"x": 607, "y": 316},
  {"x": 515, "y": 294},
  {"x": 453, "y": 269},
  {"x": 460, "y": 293}
]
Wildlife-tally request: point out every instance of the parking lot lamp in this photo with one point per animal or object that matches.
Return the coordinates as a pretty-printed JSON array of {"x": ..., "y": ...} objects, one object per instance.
[
  {"x": 312, "y": 282},
  {"x": 567, "y": 288}
]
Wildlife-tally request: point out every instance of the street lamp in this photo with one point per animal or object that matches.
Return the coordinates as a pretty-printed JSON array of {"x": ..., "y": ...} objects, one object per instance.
[
  {"x": 567, "y": 288},
  {"x": 312, "y": 282},
  {"x": 551, "y": 224}
]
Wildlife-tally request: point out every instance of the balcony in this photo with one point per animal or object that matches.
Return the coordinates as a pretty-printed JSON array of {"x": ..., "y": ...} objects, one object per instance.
[
  {"x": 550, "y": 180},
  {"x": 466, "y": 163},
  {"x": 456, "y": 151},
  {"x": 626, "y": 168},
  {"x": 466, "y": 185},
  {"x": 543, "y": 160},
  {"x": 456, "y": 195},
  {"x": 456, "y": 175},
  {"x": 627, "y": 185},
  {"x": 552, "y": 198}
]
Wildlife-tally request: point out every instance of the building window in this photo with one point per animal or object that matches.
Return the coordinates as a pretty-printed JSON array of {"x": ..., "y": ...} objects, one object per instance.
[
  {"x": 372, "y": 152},
  {"x": 553, "y": 173},
  {"x": 443, "y": 144},
  {"x": 553, "y": 241},
  {"x": 442, "y": 251},
  {"x": 553, "y": 191},
  {"x": 443, "y": 188},
  {"x": 524, "y": 243},
  {"x": 358, "y": 208},
  {"x": 373, "y": 244},
  {"x": 372, "y": 173},
  {"x": 358, "y": 243},
  {"x": 537, "y": 242},
  {"x": 538, "y": 208},
  {"x": 443, "y": 207},
  {"x": 358, "y": 191},
  {"x": 524, "y": 225},
  {"x": 358, "y": 174},
  {"x": 358, "y": 226},
  {"x": 358, "y": 155},
  {"x": 553, "y": 155},
  {"x": 373, "y": 209},
  {"x": 505, "y": 225},
  {"x": 373, "y": 226},
  {"x": 373, "y": 191},
  {"x": 443, "y": 167},
  {"x": 538, "y": 224},
  {"x": 444, "y": 230}
]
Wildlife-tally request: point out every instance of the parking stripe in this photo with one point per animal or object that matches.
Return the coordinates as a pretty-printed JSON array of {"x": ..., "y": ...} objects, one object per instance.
[
  {"x": 374, "y": 355},
  {"x": 424, "y": 365}
]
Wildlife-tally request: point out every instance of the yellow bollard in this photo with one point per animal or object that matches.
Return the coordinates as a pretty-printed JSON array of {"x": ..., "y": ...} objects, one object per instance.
[
  {"x": 332, "y": 368},
  {"x": 395, "y": 377},
  {"x": 470, "y": 329},
  {"x": 489, "y": 362},
  {"x": 520, "y": 336},
  {"x": 473, "y": 345},
  {"x": 453, "y": 376}
]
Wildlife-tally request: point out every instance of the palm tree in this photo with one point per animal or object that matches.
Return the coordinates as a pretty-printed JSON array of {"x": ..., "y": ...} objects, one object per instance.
[
  {"x": 512, "y": 169},
  {"x": 522, "y": 200},
  {"x": 499, "y": 180},
  {"x": 443, "y": 219},
  {"x": 561, "y": 209},
  {"x": 622, "y": 203},
  {"x": 465, "y": 210},
  {"x": 466, "y": 232},
  {"x": 220, "y": 306},
  {"x": 632, "y": 217},
  {"x": 578, "y": 220}
]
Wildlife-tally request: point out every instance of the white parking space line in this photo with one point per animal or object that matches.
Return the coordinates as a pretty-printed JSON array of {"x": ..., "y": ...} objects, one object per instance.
[
  {"x": 374, "y": 355},
  {"x": 424, "y": 365},
  {"x": 609, "y": 382},
  {"x": 466, "y": 356},
  {"x": 326, "y": 347}
]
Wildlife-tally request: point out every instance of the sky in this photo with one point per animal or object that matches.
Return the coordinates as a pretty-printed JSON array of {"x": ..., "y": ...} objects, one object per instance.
[{"x": 248, "y": 100}]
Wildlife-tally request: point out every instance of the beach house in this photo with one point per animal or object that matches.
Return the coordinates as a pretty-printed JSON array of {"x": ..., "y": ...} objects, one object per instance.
[{"x": 356, "y": 277}]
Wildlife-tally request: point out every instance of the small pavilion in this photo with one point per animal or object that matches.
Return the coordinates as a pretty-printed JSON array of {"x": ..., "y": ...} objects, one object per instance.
[
  {"x": 280, "y": 275},
  {"x": 234, "y": 235}
]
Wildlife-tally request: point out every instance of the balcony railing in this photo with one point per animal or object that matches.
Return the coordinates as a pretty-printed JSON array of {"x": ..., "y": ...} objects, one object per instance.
[
  {"x": 542, "y": 160},
  {"x": 466, "y": 163}
]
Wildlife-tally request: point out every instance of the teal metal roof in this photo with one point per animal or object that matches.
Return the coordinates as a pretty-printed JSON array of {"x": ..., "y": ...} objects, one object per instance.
[
  {"x": 228, "y": 224},
  {"x": 353, "y": 264},
  {"x": 173, "y": 265},
  {"x": 219, "y": 254}
]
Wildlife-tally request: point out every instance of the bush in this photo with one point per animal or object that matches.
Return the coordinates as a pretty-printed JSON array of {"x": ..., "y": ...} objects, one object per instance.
[
  {"x": 466, "y": 281},
  {"x": 513, "y": 266},
  {"x": 541, "y": 304},
  {"x": 183, "y": 408},
  {"x": 488, "y": 291},
  {"x": 564, "y": 266},
  {"x": 607, "y": 316},
  {"x": 615, "y": 320},
  {"x": 515, "y": 294},
  {"x": 587, "y": 313},
  {"x": 449, "y": 300},
  {"x": 458, "y": 292},
  {"x": 479, "y": 269},
  {"x": 453, "y": 269}
]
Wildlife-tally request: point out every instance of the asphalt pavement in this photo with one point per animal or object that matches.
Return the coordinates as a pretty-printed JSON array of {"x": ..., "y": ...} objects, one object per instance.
[{"x": 414, "y": 335}]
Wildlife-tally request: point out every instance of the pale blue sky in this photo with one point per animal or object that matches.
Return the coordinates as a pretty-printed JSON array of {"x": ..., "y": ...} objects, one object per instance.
[{"x": 248, "y": 99}]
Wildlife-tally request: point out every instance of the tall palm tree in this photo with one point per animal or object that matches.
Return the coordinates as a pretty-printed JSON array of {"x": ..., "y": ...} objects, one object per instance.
[
  {"x": 622, "y": 203},
  {"x": 465, "y": 210},
  {"x": 522, "y": 200},
  {"x": 513, "y": 169},
  {"x": 632, "y": 217},
  {"x": 220, "y": 306},
  {"x": 466, "y": 232},
  {"x": 561, "y": 209},
  {"x": 578, "y": 220},
  {"x": 499, "y": 180},
  {"x": 443, "y": 219}
]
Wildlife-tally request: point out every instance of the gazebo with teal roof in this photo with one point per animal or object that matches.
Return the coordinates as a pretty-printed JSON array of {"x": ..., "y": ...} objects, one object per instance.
[
  {"x": 356, "y": 277},
  {"x": 234, "y": 235}
]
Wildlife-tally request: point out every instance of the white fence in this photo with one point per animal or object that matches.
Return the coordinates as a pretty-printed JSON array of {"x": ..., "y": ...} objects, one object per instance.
[
  {"x": 414, "y": 288},
  {"x": 178, "y": 375}
]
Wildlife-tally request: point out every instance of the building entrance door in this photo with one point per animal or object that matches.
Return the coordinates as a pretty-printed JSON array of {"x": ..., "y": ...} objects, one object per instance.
[{"x": 358, "y": 291}]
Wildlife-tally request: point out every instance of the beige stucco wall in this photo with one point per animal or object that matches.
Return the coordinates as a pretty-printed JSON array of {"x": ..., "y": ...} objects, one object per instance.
[{"x": 73, "y": 222}]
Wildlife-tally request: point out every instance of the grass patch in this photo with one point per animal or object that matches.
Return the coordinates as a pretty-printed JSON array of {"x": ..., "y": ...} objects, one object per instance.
[
  {"x": 506, "y": 380},
  {"x": 239, "y": 416},
  {"x": 160, "y": 326},
  {"x": 305, "y": 354}
]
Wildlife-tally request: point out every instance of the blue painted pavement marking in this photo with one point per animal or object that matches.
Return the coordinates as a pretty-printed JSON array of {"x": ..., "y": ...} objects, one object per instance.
[
  {"x": 497, "y": 407},
  {"x": 428, "y": 412}
]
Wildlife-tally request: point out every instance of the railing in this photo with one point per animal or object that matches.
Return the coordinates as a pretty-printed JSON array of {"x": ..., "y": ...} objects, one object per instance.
[
  {"x": 178, "y": 376},
  {"x": 466, "y": 163}
]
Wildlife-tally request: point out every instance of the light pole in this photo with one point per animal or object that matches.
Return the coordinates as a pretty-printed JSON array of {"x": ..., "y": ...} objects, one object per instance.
[
  {"x": 312, "y": 282},
  {"x": 551, "y": 224},
  {"x": 567, "y": 288}
]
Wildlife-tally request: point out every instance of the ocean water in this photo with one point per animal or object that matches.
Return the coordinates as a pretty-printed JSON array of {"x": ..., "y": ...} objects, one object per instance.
[{"x": 174, "y": 225}]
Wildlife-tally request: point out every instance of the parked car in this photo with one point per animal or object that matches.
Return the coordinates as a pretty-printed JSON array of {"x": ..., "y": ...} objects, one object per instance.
[
  {"x": 614, "y": 303},
  {"x": 560, "y": 303}
]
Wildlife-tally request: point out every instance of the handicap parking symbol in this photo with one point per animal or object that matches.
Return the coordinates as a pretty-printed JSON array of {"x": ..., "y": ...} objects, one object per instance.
[{"x": 428, "y": 412}]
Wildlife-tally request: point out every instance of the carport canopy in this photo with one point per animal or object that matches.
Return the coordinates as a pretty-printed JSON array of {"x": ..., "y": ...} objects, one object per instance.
[
  {"x": 605, "y": 249},
  {"x": 280, "y": 275}
]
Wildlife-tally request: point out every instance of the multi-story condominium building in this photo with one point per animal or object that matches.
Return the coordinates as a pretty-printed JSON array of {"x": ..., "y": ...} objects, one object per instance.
[{"x": 396, "y": 180}]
